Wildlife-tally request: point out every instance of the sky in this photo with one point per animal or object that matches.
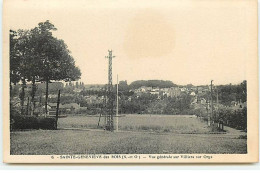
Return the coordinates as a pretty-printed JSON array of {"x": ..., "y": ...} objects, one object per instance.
[{"x": 182, "y": 41}]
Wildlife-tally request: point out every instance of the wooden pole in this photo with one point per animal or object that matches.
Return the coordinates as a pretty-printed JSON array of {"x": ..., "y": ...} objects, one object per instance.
[
  {"x": 117, "y": 103},
  {"x": 217, "y": 115},
  {"x": 208, "y": 109},
  {"x": 105, "y": 106},
  {"x": 46, "y": 98},
  {"x": 27, "y": 111},
  {"x": 57, "y": 111},
  {"x": 99, "y": 117},
  {"x": 211, "y": 98}
]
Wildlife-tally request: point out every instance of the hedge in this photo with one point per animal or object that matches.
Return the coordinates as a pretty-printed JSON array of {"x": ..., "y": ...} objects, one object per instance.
[
  {"x": 235, "y": 118},
  {"x": 30, "y": 122}
]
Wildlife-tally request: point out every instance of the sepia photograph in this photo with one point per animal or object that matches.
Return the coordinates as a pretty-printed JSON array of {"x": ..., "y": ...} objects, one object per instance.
[{"x": 147, "y": 81}]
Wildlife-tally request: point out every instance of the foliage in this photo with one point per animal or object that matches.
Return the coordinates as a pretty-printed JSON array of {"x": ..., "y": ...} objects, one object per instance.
[
  {"x": 13, "y": 112},
  {"x": 54, "y": 58},
  {"x": 229, "y": 93},
  {"x": 14, "y": 59},
  {"x": 122, "y": 86}
]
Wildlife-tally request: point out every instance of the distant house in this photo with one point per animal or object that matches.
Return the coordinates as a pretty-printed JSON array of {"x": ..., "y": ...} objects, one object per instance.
[
  {"x": 149, "y": 88},
  {"x": 62, "y": 107},
  {"x": 183, "y": 89},
  {"x": 166, "y": 90},
  {"x": 49, "y": 108},
  {"x": 174, "y": 92},
  {"x": 71, "y": 106},
  {"x": 155, "y": 89},
  {"x": 193, "y": 93},
  {"x": 238, "y": 105},
  {"x": 202, "y": 89},
  {"x": 94, "y": 99},
  {"x": 52, "y": 105},
  {"x": 164, "y": 93},
  {"x": 154, "y": 92},
  {"x": 143, "y": 89}
]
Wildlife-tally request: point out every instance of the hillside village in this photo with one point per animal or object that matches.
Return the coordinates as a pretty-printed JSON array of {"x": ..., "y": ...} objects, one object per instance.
[{"x": 78, "y": 98}]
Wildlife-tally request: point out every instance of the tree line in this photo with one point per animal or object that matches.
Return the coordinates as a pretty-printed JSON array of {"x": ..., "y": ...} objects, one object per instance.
[{"x": 152, "y": 83}]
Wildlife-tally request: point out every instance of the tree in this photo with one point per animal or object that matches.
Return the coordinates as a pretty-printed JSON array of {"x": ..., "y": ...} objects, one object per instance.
[
  {"x": 14, "y": 59},
  {"x": 36, "y": 55},
  {"x": 20, "y": 54},
  {"x": 122, "y": 86},
  {"x": 243, "y": 92},
  {"x": 55, "y": 61}
]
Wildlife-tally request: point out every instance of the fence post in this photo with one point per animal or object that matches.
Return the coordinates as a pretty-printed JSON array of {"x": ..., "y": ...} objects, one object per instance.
[
  {"x": 57, "y": 111},
  {"x": 27, "y": 109}
]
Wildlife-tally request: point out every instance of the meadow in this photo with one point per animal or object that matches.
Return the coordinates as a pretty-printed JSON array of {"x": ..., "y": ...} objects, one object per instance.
[
  {"x": 134, "y": 122},
  {"x": 138, "y": 134},
  {"x": 46, "y": 142}
]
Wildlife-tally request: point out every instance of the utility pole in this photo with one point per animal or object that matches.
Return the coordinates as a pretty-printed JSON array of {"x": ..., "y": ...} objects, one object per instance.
[
  {"x": 109, "y": 118},
  {"x": 27, "y": 109},
  {"x": 217, "y": 100},
  {"x": 117, "y": 103},
  {"x": 57, "y": 111},
  {"x": 208, "y": 108},
  {"x": 211, "y": 98}
]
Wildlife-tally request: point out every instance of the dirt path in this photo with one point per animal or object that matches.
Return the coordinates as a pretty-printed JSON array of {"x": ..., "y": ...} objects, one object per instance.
[{"x": 232, "y": 131}]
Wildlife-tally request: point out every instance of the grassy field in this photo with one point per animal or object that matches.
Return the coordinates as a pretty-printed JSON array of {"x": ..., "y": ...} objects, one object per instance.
[
  {"x": 159, "y": 123},
  {"x": 47, "y": 142},
  {"x": 140, "y": 134}
]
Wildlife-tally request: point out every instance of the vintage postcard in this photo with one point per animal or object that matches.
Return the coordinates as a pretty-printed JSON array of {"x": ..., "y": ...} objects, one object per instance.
[{"x": 161, "y": 81}]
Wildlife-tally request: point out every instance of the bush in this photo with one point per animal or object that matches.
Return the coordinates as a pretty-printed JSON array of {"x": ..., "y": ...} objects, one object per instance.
[{"x": 22, "y": 122}]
